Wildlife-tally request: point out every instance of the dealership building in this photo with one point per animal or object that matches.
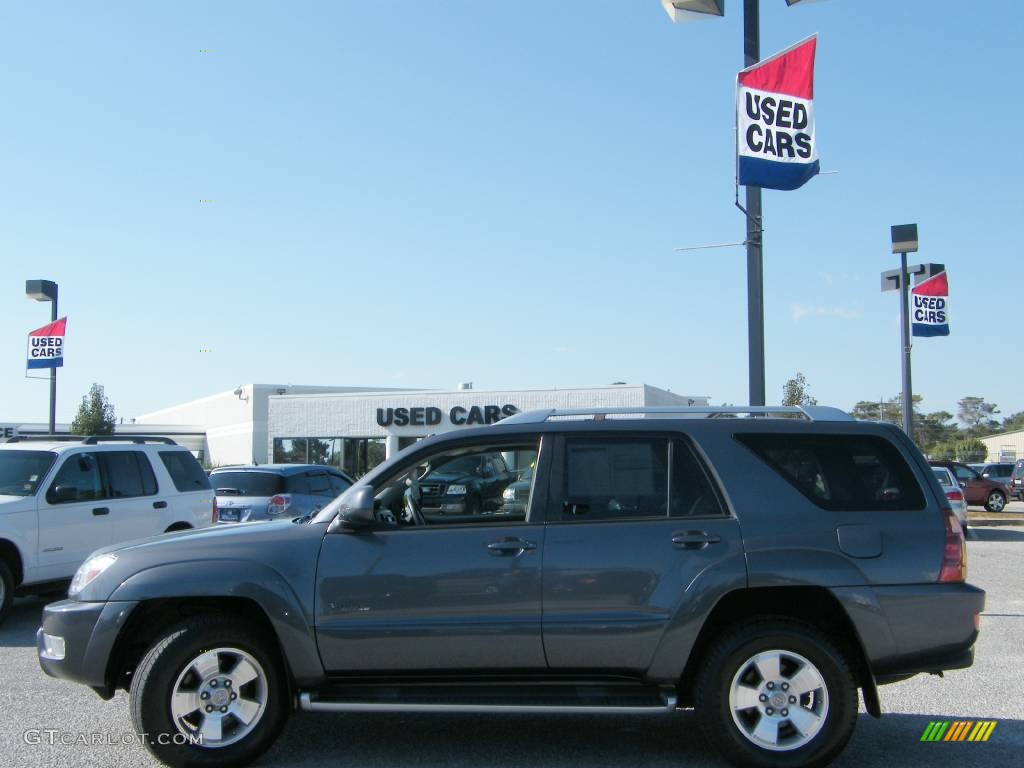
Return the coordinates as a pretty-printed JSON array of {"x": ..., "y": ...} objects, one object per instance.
[{"x": 355, "y": 428}]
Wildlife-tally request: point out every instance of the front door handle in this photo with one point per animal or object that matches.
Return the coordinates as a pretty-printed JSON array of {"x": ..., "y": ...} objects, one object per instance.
[
  {"x": 694, "y": 539},
  {"x": 510, "y": 546},
  {"x": 159, "y": 505},
  {"x": 101, "y": 510}
]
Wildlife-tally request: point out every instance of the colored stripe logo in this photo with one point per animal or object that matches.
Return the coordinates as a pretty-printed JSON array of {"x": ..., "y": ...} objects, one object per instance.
[{"x": 958, "y": 730}]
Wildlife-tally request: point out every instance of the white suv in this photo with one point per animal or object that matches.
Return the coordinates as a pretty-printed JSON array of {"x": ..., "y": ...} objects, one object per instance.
[{"x": 59, "y": 501}]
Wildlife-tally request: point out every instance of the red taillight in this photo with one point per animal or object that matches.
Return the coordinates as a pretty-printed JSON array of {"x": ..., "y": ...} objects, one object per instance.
[
  {"x": 954, "y": 553},
  {"x": 279, "y": 504},
  {"x": 954, "y": 495},
  {"x": 214, "y": 512}
]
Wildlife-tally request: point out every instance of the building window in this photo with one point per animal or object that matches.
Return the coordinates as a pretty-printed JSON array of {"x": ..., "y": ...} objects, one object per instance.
[{"x": 354, "y": 455}]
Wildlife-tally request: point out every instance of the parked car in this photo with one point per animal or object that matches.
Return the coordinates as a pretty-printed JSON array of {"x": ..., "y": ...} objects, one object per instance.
[
  {"x": 62, "y": 499},
  {"x": 954, "y": 492},
  {"x": 1001, "y": 472},
  {"x": 271, "y": 491},
  {"x": 516, "y": 496},
  {"x": 979, "y": 491},
  {"x": 1017, "y": 480},
  {"x": 732, "y": 565}
]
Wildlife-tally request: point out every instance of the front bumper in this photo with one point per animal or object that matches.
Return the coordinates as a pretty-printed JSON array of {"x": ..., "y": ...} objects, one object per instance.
[{"x": 88, "y": 631}]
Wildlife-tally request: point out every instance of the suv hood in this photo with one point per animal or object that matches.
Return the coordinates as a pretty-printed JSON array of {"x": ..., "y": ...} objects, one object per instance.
[
  {"x": 220, "y": 552},
  {"x": 448, "y": 478}
]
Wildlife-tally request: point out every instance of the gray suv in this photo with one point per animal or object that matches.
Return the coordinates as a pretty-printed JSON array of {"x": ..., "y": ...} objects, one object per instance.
[
  {"x": 271, "y": 491},
  {"x": 758, "y": 569}
]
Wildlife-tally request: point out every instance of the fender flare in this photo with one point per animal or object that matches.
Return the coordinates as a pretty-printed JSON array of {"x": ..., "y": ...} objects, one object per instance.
[{"x": 263, "y": 585}]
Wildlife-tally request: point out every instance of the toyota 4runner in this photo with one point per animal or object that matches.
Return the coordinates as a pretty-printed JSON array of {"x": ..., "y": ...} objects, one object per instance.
[{"x": 760, "y": 568}]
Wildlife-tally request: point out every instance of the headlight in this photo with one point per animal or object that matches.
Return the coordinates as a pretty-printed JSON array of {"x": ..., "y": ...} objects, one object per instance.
[
  {"x": 89, "y": 570},
  {"x": 456, "y": 490},
  {"x": 509, "y": 494}
]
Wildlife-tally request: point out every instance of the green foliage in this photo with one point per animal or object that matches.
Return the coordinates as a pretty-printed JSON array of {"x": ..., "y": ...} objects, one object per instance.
[
  {"x": 977, "y": 415},
  {"x": 95, "y": 414},
  {"x": 971, "y": 449},
  {"x": 795, "y": 392},
  {"x": 1013, "y": 422}
]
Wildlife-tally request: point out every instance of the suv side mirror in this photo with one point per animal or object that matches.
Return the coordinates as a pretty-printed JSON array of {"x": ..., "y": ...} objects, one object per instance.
[{"x": 358, "y": 510}]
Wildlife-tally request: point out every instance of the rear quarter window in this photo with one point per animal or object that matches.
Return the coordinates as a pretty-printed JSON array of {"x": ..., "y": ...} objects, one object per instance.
[
  {"x": 841, "y": 473},
  {"x": 185, "y": 472}
]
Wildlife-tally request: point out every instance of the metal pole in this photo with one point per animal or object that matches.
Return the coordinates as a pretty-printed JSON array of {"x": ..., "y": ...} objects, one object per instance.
[
  {"x": 53, "y": 374},
  {"x": 908, "y": 393},
  {"x": 755, "y": 252}
]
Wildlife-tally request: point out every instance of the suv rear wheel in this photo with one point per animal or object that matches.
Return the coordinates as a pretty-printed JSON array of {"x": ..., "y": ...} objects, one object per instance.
[
  {"x": 776, "y": 694},
  {"x": 210, "y": 692}
]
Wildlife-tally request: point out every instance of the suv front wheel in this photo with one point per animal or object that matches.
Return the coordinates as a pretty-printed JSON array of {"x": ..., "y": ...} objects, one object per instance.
[
  {"x": 776, "y": 694},
  {"x": 211, "y": 692}
]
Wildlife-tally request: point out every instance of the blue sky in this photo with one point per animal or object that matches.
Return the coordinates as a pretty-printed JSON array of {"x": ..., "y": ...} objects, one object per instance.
[{"x": 418, "y": 194}]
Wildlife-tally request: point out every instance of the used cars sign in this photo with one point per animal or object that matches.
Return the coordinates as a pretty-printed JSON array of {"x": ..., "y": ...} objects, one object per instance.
[{"x": 46, "y": 345}]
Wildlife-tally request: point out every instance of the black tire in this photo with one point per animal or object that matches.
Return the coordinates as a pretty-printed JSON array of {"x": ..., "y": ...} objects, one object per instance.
[
  {"x": 154, "y": 679},
  {"x": 995, "y": 502},
  {"x": 729, "y": 654},
  {"x": 6, "y": 590}
]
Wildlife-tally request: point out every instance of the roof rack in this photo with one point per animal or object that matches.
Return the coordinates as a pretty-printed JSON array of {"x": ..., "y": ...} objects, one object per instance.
[
  {"x": 93, "y": 439},
  {"x": 44, "y": 438},
  {"x": 808, "y": 412}
]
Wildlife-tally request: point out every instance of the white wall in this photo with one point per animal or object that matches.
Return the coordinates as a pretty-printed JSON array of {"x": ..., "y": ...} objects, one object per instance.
[
  {"x": 1013, "y": 441},
  {"x": 355, "y": 415}
]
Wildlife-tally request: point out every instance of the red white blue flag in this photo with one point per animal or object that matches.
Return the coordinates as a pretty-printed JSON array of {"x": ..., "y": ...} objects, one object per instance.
[
  {"x": 929, "y": 308},
  {"x": 775, "y": 144},
  {"x": 46, "y": 345}
]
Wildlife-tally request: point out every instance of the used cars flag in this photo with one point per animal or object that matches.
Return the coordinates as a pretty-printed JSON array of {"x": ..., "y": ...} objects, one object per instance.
[
  {"x": 775, "y": 144},
  {"x": 46, "y": 345},
  {"x": 929, "y": 310}
]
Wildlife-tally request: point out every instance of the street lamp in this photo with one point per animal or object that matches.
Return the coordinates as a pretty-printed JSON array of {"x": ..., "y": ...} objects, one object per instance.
[
  {"x": 904, "y": 241},
  {"x": 691, "y": 10},
  {"x": 46, "y": 290}
]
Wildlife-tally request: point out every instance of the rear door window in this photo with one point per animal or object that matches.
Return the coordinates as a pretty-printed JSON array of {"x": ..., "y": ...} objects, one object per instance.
[
  {"x": 841, "y": 473},
  {"x": 338, "y": 484},
  {"x": 298, "y": 484},
  {"x": 185, "y": 471},
  {"x": 129, "y": 474},
  {"x": 615, "y": 478}
]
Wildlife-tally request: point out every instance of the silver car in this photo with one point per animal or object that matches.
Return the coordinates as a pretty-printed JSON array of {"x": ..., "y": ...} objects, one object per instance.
[
  {"x": 954, "y": 492},
  {"x": 275, "y": 491}
]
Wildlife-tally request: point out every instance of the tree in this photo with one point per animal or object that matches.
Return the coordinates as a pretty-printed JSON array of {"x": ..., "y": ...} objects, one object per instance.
[
  {"x": 1013, "y": 422},
  {"x": 95, "y": 414},
  {"x": 794, "y": 392},
  {"x": 977, "y": 415},
  {"x": 971, "y": 449}
]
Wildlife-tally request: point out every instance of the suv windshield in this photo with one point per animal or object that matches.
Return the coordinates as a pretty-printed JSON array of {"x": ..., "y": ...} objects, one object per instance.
[
  {"x": 21, "y": 471},
  {"x": 247, "y": 483}
]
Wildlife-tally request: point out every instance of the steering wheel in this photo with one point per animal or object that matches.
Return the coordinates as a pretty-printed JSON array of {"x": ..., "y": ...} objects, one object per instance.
[{"x": 412, "y": 510}]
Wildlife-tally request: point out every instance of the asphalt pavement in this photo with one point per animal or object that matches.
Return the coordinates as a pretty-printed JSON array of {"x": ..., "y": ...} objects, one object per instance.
[{"x": 993, "y": 689}]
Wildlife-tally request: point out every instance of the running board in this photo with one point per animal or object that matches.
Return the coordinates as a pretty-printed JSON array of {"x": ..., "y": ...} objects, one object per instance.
[{"x": 312, "y": 702}]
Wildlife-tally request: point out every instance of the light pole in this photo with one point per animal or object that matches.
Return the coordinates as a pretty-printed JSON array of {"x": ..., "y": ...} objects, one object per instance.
[
  {"x": 691, "y": 10},
  {"x": 46, "y": 290},
  {"x": 904, "y": 241}
]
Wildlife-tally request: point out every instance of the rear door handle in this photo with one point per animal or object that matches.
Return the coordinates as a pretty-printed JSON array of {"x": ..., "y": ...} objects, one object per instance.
[
  {"x": 101, "y": 510},
  {"x": 159, "y": 505},
  {"x": 510, "y": 546},
  {"x": 694, "y": 539}
]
